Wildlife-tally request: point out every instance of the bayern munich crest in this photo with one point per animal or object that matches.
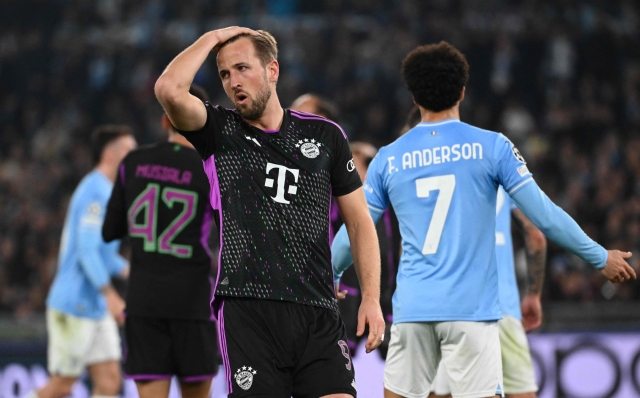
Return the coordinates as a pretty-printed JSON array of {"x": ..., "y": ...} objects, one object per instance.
[
  {"x": 244, "y": 377},
  {"x": 309, "y": 148}
]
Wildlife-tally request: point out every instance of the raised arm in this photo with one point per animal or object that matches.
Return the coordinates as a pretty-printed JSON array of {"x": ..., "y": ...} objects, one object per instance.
[
  {"x": 536, "y": 244},
  {"x": 185, "y": 111},
  {"x": 366, "y": 256},
  {"x": 564, "y": 231}
]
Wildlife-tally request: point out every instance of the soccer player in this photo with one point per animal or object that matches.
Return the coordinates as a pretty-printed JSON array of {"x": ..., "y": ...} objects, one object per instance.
[
  {"x": 517, "y": 367},
  {"x": 272, "y": 173},
  {"x": 312, "y": 103},
  {"x": 82, "y": 306},
  {"x": 161, "y": 200},
  {"x": 442, "y": 179}
]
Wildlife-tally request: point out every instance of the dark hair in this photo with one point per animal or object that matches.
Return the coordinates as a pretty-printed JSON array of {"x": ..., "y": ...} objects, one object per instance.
[
  {"x": 103, "y": 135},
  {"x": 199, "y": 92},
  {"x": 264, "y": 43},
  {"x": 435, "y": 74},
  {"x": 326, "y": 108},
  {"x": 413, "y": 118}
]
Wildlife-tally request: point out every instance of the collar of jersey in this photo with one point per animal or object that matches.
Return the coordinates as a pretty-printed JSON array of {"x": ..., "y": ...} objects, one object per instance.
[
  {"x": 280, "y": 133},
  {"x": 445, "y": 121}
]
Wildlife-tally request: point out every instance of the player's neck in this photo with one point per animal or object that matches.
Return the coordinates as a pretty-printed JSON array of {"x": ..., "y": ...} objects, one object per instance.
[
  {"x": 272, "y": 116},
  {"x": 431, "y": 117},
  {"x": 177, "y": 138},
  {"x": 107, "y": 170}
]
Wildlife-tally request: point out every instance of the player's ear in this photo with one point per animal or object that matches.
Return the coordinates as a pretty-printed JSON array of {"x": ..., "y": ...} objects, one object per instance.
[
  {"x": 273, "y": 71},
  {"x": 462, "y": 94},
  {"x": 166, "y": 123}
]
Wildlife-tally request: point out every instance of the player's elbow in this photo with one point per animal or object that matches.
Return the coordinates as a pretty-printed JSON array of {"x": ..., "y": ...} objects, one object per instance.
[
  {"x": 537, "y": 240},
  {"x": 167, "y": 91}
]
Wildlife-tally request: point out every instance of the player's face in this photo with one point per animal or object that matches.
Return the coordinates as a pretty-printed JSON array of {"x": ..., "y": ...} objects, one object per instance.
[
  {"x": 309, "y": 106},
  {"x": 245, "y": 80},
  {"x": 121, "y": 147}
]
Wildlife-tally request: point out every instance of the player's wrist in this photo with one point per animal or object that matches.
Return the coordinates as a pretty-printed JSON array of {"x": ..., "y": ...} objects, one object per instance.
[{"x": 371, "y": 297}]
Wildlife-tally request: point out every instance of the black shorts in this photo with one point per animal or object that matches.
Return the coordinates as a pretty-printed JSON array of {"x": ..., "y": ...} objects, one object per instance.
[
  {"x": 160, "y": 348},
  {"x": 280, "y": 349}
]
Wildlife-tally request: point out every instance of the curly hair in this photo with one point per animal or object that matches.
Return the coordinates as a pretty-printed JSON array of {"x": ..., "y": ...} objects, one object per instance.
[{"x": 435, "y": 74}]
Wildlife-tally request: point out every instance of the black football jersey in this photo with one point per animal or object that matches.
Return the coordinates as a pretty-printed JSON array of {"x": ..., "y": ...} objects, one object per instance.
[
  {"x": 161, "y": 200},
  {"x": 273, "y": 191}
]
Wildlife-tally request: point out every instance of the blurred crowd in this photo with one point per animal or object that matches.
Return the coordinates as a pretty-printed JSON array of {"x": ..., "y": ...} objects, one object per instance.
[{"x": 560, "y": 78}]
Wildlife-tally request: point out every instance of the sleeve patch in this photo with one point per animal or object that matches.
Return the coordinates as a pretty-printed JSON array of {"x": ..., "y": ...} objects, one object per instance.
[
  {"x": 93, "y": 216},
  {"x": 523, "y": 171},
  {"x": 517, "y": 154}
]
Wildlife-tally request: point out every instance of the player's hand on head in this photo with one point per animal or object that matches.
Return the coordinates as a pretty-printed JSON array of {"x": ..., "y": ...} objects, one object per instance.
[
  {"x": 340, "y": 295},
  {"x": 531, "y": 312},
  {"x": 370, "y": 314},
  {"x": 616, "y": 269},
  {"x": 227, "y": 33}
]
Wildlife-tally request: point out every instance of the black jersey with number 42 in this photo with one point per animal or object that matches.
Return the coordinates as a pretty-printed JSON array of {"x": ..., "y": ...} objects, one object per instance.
[
  {"x": 273, "y": 191},
  {"x": 161, "y": 200}
]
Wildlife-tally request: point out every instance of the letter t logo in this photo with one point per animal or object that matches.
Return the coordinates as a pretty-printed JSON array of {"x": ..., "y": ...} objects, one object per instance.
[{"x": 282, "y": 176}]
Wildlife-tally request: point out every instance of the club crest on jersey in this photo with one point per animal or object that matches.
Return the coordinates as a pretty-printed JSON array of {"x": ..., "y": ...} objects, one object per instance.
[
  {"x": 517, "y": 154},
  {"x": 244, "y": 377},
  {"x": 309, "y": 148}
]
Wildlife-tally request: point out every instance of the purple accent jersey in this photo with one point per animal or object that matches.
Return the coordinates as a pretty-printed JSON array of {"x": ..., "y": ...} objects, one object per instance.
[
  {"x": 273, "y": 192},
  {"x": 162, "y": 202}
]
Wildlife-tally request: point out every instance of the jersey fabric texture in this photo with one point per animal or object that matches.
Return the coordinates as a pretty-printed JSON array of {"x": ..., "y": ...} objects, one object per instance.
[
  {"x": 280, "y": 349},
  {"x": 161, "y": 200},
  {"x": 507, "y": 284},
  {"x": 442, "y": 179},
  {"x": 273, "y": 191},
  {"x": 85, "y": 262}
]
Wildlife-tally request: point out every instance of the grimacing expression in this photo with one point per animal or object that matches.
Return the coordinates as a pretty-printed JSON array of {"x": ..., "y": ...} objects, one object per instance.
[{"x": 244, "y": 78}]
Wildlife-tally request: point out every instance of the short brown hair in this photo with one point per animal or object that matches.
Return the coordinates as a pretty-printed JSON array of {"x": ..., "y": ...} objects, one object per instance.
[
  {"x": 104, "y": 135},
  {"x": 264, "y": 43},
  {"x": 435, "y": 75}
]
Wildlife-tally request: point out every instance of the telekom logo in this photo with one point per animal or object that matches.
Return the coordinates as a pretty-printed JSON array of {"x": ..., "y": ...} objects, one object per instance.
[{"x": 282, "y": 177}]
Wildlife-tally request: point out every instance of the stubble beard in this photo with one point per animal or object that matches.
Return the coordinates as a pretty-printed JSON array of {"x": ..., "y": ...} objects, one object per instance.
[{"x": 258, "y": 104}]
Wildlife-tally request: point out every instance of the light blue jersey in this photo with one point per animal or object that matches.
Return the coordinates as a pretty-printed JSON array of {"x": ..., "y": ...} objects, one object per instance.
[
  {"x": 507, "y": 284},
  {"x": 442, "y": 179},
  {"x": 85, "y": 262}
]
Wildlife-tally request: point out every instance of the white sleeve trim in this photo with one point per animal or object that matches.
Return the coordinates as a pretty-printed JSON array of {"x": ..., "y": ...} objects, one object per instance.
[
  {"x": 377, "y": 210},
  {"x": 522, "y": 184}
]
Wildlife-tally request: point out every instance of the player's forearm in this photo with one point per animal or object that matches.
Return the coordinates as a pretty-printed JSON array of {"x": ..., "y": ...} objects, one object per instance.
[
  {"x": 94, "y": 269},
  {"x": 536, "y": 244},
  {"x": 175, "y": 81},
  {"x": 536, "y": 260},
  {"x": 341, "y": 258},
  {"x": 366, "y": 257},
  {"x": 557, "y": 225}
]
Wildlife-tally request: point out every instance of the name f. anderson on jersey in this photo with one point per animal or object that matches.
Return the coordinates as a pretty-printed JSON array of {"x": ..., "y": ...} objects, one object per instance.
[{"x": 437, "y": 155}]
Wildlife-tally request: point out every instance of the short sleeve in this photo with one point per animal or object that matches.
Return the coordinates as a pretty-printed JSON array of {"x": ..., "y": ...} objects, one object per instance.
[
  {"x": 511, "y": 169},
  {"x": 344, "y": 176},
  {"x": 376, "y": 195},
  {"x": 115, "y": 222},
  {"x": 206, "y": 139}
]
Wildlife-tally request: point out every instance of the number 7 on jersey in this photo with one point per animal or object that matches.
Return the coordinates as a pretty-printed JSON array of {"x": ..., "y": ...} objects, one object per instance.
[{"x": 446, "y": 185}]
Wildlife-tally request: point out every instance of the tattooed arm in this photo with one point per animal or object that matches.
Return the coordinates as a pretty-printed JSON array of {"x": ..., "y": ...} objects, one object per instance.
[{"x": 536, "y": 244}]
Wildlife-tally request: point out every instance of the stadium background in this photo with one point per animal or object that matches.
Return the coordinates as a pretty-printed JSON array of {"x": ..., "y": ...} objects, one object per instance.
[{"x": 561, "y": 78}]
